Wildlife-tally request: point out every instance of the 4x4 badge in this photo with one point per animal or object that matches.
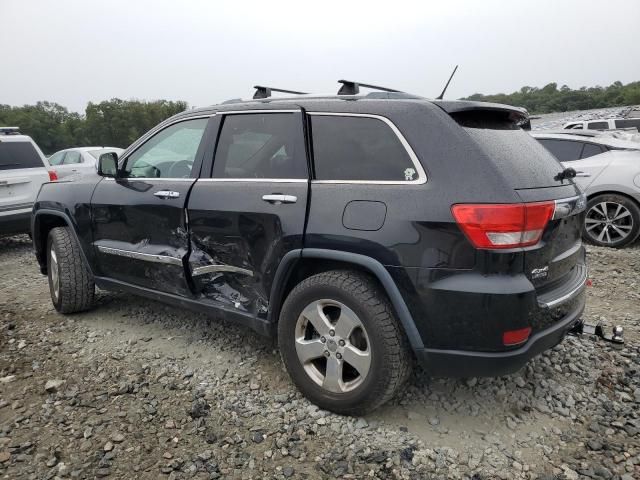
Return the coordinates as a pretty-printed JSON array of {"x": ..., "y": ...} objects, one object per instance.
[{"x": 538, "y": 273}]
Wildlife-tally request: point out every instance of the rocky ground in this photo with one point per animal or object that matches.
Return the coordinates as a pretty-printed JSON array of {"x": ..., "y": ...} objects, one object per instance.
[{"x": 135, "y": 389}]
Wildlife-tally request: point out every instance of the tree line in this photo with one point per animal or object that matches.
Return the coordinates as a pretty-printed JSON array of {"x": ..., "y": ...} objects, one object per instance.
[
  {"x": 550, "y": 98},
  {"x": 114, "y": 123}
]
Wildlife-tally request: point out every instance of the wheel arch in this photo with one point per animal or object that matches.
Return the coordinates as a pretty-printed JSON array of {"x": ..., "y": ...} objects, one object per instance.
[
  {"x": 43, "y": 222},
  {"x": 614, "y": 192},
  {"x": 297, "y": 265}
]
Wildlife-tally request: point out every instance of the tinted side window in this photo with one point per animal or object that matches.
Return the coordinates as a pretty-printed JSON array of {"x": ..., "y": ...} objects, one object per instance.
[
  {"x": 628, "y": 123},
  {"x": 56, "y": 158},
  {"x": 598, "y": 125},
  {"x": 268, "y": 145},
  {"x": 170, "y": 153},
  {"x": 590, "y": 150},
  {"x": 14, "y": 155},
  {"x": 358, "y": 148},
  {"x": 72, "y": 157},
  {"x": 563, "y": 150}
]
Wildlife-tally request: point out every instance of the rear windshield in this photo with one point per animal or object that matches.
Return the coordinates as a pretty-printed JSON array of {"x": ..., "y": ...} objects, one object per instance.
[
  {"x": 523, "y": 162},
  {"x": 14, "y": 155}
]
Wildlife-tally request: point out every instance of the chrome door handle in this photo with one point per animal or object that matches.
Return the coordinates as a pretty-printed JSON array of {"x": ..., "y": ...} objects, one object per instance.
[
  {"x": 167, "y": 194},
  {"x": 582, "y": 174},
  {"x": 277, "y": 198}
]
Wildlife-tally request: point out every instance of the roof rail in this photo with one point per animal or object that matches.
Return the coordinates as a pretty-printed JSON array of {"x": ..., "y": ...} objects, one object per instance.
[
  {"x": 265, "y": 92},
  {"x": 9, "y": 130},
  {"x": 353, "y": 88}
]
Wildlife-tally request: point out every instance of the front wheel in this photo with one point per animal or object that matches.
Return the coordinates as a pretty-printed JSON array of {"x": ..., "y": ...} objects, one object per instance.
[
  {"x": 342, "y": 344},
  {"x": 70, "y": 280},
  {"x": 612, "y": 220}
]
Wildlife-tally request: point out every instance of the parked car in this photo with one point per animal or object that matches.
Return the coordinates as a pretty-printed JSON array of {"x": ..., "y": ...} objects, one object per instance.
[
  {"x": 361, "y": 230},
  {"x": 604, "y": 124},
  {"x": 78, "y": 161},
  {"x": 23, "y": 168},
  {"x": 608, "y": 170}
]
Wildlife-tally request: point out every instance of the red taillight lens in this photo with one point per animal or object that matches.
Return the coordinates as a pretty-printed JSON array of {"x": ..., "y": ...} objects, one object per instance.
[
  {"x": 516, "y": 337},
  {"x": 494, "y": 226},
  {"x": 53, "y": 176}
]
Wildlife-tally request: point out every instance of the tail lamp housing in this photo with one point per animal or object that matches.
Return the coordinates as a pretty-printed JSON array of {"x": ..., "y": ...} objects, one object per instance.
[
  {"x": 53, "y": 176},
  {"x": 502, "y": 226}
]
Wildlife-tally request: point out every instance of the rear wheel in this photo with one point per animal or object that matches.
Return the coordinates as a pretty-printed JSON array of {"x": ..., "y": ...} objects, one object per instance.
[
  {"x": 611, "y": 221},
  {"x": 341, "y": 343},
  {"x": 70, "y": 281}
]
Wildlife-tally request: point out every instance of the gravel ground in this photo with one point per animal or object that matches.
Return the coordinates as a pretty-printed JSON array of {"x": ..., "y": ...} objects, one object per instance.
[{"x": 137, "y": 389}]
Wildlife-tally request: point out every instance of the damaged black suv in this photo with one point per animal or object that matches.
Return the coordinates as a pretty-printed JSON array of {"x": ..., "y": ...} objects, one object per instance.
[{"x": 364, "y": 231}]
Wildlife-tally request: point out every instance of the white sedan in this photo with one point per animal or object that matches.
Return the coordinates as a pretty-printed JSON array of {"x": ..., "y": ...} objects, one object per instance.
[
  {"x": 608, "y": 170},
  {"x": 78, "y": 161}
]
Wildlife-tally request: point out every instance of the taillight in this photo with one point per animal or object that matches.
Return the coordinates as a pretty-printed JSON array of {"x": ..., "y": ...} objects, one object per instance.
[
  {"x": 495, "y": 226},
  {"x": 516, "y": 337},
  {"x": 53, "y": 176}
]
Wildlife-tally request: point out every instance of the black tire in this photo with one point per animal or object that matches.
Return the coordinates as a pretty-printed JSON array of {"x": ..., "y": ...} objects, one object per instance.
[
  {"x": 76, "y": 288},
  {"x": 390, "y": 355},
  {"x": 591, "y": 230}
]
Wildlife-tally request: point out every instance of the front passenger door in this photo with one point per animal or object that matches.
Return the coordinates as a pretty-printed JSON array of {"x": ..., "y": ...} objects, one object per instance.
[{"x": 139, "y": 223}]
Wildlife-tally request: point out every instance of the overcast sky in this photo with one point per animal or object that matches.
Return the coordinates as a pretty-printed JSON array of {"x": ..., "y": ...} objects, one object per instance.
[{"x": 204, "y": 52}]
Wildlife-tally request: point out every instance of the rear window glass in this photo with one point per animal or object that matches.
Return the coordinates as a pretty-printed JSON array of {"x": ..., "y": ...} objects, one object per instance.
[
  {"x": 563, "y": 150},
  {"x": 358, "y": 148},
  {"x": 14, "y": 155},
  {"x": 521, "y": 159}
]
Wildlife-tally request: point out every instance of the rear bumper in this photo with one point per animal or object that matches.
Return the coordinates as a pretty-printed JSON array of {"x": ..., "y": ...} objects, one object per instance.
[
  {"x": 462, "y": 363},
  {"x": 15, "y": 223}
]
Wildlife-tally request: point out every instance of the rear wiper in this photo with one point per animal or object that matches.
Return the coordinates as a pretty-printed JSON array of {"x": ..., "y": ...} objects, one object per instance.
[{"x": 565, "y": 174}]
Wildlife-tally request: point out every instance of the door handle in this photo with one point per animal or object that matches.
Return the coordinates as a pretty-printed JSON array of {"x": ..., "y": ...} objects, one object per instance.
[
  {"x": 167, "y": 194},
  {"x": 278, "y": 198},
  {"x": 582, "y": 174}
]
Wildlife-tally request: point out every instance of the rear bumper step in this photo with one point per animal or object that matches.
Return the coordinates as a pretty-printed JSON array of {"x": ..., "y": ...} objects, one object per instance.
[
  {"x": 460, "y": 363},
  {"x": 569, "y": 289}
]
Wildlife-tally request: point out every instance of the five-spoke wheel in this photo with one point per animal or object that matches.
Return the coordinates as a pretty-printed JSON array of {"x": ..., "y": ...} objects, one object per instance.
[{"x": 341, "y": 342}]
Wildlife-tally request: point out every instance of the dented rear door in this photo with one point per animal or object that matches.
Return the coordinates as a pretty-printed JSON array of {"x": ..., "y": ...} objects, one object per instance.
[{"x": 251, "y": 211}]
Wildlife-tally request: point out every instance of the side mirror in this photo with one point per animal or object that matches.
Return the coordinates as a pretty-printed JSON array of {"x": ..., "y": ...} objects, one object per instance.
[{"x": 108, "y": 164}]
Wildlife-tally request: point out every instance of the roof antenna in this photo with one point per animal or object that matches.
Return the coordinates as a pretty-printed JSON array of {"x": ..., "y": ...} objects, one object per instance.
[{"x": 447, "y": 85}]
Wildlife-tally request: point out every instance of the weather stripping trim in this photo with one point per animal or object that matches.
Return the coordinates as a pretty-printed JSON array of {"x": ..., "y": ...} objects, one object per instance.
[
  {"x": 197, "y": 271},
  {"x": 147, "y": 257},
  {"x": 422, "y": 176}
]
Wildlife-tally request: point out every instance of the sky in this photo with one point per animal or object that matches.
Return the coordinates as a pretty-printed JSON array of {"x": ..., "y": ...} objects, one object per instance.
[{"x": 204, "y": 52}]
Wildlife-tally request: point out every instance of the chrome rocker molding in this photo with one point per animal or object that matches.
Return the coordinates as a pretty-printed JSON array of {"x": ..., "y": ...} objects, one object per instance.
[
  {"x": 147, "y": 257},
  {"x": 197, "y": 271}
]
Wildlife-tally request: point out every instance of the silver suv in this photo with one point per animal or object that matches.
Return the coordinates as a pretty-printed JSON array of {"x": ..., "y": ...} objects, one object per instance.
[{"x": 23, "y": 169}]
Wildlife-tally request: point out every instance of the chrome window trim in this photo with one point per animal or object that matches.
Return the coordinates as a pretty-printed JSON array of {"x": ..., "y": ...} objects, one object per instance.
[
  {"x": 154, "y": 179},
  {"x": 422, "y": 176},
  {"x": 148, "y": 257},
  {"x": 234, "y": 112},
  {"x": 253, "y": 180},
  {"x": 205, "y": 269}
]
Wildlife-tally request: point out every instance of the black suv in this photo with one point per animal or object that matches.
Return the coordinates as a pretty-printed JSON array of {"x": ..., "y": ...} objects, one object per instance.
[{"x": 365, "y": 231}]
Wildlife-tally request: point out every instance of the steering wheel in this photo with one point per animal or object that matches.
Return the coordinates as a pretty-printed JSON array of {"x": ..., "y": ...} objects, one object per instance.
[{"x": 181, "y": 169}]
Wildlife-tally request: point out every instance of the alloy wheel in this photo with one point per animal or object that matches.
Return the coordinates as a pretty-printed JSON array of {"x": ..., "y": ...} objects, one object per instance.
[
  {"x": 608, "y": 222},
  {"x": 333, "y": 346}
]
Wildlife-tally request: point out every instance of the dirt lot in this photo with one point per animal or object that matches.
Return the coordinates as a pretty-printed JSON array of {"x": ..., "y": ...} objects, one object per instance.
[{"x": 135, "y": 389}]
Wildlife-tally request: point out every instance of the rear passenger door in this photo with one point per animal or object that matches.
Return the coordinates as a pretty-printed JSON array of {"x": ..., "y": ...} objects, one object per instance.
[
  {"x": 251, "y": 210},
  {"x": 364, "y": 168}
]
